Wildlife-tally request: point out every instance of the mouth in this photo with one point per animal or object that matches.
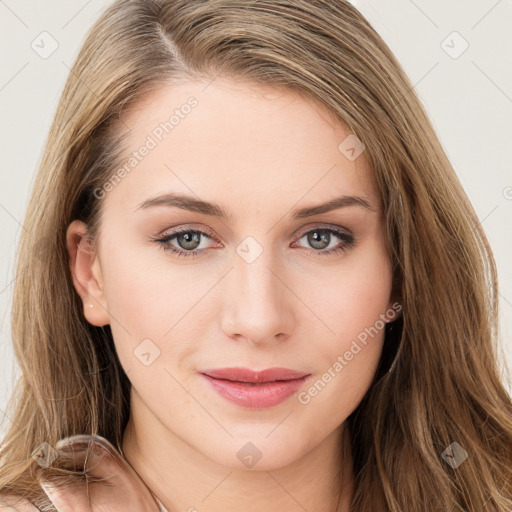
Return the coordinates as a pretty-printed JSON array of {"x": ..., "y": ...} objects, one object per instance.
[{"x": 260, "y": 389}]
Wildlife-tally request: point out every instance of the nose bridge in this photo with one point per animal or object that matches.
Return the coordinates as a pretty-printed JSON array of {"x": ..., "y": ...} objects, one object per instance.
[
  {"x": 257, "y": 302},
  {"x": 255, "y": 282}
]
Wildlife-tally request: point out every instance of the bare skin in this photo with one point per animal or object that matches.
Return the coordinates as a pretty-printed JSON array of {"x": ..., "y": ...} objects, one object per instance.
[{"x": 260, "y": 153}]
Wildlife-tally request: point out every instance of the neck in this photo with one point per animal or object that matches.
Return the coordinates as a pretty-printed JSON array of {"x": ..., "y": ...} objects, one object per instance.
[{"x": 183, "y": 478}]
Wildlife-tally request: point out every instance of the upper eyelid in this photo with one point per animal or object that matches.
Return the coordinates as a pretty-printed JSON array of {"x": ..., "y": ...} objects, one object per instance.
[
  {"x": 171, "y": 232},
  {"x": 210, "y": 232}
]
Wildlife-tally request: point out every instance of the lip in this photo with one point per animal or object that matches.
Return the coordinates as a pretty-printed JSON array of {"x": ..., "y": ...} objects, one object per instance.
[{"x": 255, "y": 389}]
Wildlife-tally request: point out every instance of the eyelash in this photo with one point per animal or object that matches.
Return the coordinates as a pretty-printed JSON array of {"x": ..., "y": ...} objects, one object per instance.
[{"x": 349, "y": 242}]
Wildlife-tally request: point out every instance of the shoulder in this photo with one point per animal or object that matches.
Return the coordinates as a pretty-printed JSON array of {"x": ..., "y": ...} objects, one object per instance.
[{"x": 11, "y": 503}]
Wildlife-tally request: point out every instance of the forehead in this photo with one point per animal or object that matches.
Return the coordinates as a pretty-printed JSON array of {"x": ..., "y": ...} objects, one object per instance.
[{"x": 244, "y": 143}]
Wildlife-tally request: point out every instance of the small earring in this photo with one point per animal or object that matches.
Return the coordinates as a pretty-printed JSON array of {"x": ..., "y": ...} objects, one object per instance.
[{"x": 91, "y": 305}]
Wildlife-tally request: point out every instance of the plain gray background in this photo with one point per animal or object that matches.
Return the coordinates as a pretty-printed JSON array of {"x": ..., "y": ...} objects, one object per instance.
[{"x": 456, "y": 53}]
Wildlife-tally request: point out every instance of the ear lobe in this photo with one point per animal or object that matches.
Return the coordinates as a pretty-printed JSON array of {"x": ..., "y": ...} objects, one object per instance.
[
  {"x": 394, "y": 310},
  {"x": 86, "y": 274}
]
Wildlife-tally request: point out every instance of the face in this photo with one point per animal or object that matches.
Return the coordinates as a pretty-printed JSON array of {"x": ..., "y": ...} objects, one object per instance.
[{"x": 261, "y": 280}]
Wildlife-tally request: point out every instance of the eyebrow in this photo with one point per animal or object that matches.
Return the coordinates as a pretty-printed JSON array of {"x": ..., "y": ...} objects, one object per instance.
[{"x": 189, "y": 203}]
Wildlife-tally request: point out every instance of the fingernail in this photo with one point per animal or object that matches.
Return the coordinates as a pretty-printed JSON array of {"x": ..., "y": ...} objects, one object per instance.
[{"x": 47, "y": 489}]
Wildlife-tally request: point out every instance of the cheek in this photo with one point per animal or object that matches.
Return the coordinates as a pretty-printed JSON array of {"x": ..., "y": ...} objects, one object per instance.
[
  {"x": 149, "y": 308},
  {"x": 144, "y": 292},
  {"x": 349, "y": 351},
  {"x": 354, "y": 296},
  {"x": 352, "y": 333}
]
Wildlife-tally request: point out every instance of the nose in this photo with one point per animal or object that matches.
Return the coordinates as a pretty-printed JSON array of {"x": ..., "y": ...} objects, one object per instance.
[{"x": 258, "y": 304}]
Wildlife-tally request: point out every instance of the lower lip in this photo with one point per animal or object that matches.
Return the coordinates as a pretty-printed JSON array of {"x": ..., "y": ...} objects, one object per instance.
[{"x": 258, "y": 395}]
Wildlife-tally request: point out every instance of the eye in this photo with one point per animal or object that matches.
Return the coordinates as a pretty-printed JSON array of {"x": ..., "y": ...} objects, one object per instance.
[
  {"x": 320, "y": 239},
  {"x": 188, "y": 241}
]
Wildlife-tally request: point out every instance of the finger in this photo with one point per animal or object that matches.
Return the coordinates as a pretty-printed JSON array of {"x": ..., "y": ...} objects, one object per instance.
[
  {"x": 11, "y": 503},
  {"x": 66, "y": 498}
]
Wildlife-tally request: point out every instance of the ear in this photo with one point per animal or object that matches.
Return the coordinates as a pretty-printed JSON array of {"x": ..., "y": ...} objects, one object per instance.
[
  {"x": 394, "y": 309},
  {"x": 86, "y": 274}
]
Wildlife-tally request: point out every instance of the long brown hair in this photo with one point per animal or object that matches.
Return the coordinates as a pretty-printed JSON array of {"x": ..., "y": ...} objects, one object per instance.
[{"x": 445, "y": 384}]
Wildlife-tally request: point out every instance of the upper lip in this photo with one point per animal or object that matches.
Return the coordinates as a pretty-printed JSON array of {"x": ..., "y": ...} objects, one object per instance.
[{"x": 246, "y": 375}]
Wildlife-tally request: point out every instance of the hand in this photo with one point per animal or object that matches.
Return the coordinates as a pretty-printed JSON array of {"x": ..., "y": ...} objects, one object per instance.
[{"x": 120, "y": 490}]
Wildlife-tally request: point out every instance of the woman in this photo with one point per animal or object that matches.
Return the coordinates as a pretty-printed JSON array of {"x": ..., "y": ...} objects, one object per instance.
[{"x": 251, "y": 279}]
